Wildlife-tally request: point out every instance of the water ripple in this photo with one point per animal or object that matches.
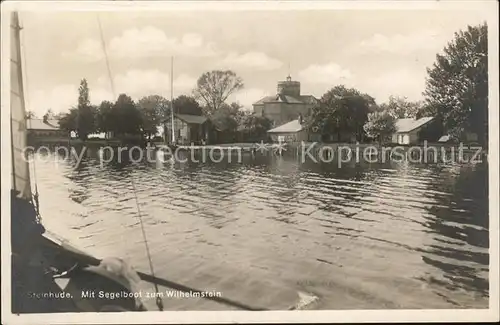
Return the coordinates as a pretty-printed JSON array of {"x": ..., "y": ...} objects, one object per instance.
[{"x": 420, "y": 232}]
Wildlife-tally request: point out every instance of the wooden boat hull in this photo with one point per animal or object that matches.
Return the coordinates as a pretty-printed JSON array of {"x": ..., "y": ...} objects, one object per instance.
[{"x": 76, "y": 281}]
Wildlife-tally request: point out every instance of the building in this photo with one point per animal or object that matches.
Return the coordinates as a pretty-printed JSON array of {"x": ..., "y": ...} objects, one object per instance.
[
  {"x": 45, "y": 129},
  {"x": 286, "y": 105},
  {"x": 221, "y": 131},
  {"x": 408, "y": 129},
  {"x": 291, "y": 132},
  {"x": 188, "y": 129}
]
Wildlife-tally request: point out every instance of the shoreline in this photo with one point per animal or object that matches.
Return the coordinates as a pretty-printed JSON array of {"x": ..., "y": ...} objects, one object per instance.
[{"x": 49, "y": 141}]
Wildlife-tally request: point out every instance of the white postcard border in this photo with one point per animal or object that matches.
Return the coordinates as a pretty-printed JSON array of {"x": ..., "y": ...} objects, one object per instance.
[{"x": 332, "y": 316}]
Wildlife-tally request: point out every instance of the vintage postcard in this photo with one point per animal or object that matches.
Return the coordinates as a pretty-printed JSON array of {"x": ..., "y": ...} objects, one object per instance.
[{"x": 249, "y": 161}]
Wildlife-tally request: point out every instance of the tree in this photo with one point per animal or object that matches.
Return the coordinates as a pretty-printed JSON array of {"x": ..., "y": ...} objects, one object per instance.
[
  {"x": 154, "y": 111},
  {"x": 342, "y": 110},
  {"x": 457, "y": 84},
  {"x": 214, "y": 87},
  {"x": 68, "y": 121},
  {"x": 226, "y": 120},
  {"x": 59, "y": 115},
  {"x": 30, "y": 115},
  {"x": 163, "y": 111},
  {"x": 359, "y": 106},
  {"x": 127, "y": 118},
  {"x": 49, "y": 114},
  {"x": 401, "y": 107},
  {"x": 380, "y": 125},
  {"x": 105, "y": 121},
  {"x": 86, "y": 117},
  {"x": 235, "y": 110},
  {"x": 187, "y": 105},
  {"x": 254, "y": 128}
]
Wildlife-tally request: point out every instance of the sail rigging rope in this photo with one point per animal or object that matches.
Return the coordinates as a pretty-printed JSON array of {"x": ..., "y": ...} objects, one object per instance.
[
  {"x": 103, "y": 42},
  {"x": 159, "y": 302},
  {"x": 36, "y": 195}
]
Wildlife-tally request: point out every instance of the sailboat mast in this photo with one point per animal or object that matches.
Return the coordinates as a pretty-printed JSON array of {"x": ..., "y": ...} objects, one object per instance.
[
  {"x": 172, "y": 97},
  {"x": 18, "y": 131}
]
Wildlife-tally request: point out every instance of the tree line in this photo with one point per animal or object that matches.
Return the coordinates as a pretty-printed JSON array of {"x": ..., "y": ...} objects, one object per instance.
[
  {"x": 128, "y": 118},
  {"x": 456, "y": 95},
  {"x": 350, "y": 115}
]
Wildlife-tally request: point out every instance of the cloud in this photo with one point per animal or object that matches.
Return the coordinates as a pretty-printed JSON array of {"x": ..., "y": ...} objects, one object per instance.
[
  {"x": 330, "y": 73},
  {"x": 138, "y": 83},
  {"x": 135, "y": 83},
  {"x": 247, "y": 97},
  {"x": 88, "y": 49},
  {"x": 401, "y": 82},
  {"x": 60, "y": 98},
  {"x": 145, "y": 42},
  {"x": 401, "y": 44},
  {"x": 317, "y": 79},
  {"x": 251, "y": 60}
]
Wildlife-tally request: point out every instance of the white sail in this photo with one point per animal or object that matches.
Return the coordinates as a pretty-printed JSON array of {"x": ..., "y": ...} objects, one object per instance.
[{"x": 20, "y": 166}]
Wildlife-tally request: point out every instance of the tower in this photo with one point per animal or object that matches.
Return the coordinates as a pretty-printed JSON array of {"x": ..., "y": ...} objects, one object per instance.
[{"x": 289, "y": 87}]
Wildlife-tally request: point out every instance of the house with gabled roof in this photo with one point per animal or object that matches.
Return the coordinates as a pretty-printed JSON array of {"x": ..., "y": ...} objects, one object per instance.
[
  {"x": 44, "y": 128},
  {"x": 286, "y": 105},
  {"x": 292, "y": 132},
  {"x": 44, "y": 131},
  {"x": 408, "y": 129},
  {"x": 188, "y": 128}
]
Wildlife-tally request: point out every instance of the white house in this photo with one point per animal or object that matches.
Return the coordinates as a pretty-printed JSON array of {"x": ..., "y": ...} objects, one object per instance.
[
  {"x": 291, "y": 132},
  {"x": 407, "y": 129}
]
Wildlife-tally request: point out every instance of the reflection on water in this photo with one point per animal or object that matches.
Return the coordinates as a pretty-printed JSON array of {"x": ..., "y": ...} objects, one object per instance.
[{"x": 392, "y": 235}]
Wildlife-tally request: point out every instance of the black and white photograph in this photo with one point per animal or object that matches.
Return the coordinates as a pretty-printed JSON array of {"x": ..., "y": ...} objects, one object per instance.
[{"x": 249, "y": 161}]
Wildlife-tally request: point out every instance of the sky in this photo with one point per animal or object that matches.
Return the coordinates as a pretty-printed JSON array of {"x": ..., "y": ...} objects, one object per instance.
[{"x": 382, "y": 52}]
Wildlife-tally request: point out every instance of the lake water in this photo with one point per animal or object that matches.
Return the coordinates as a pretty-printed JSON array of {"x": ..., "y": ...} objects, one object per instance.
[{"x": 392, "y": 235}]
